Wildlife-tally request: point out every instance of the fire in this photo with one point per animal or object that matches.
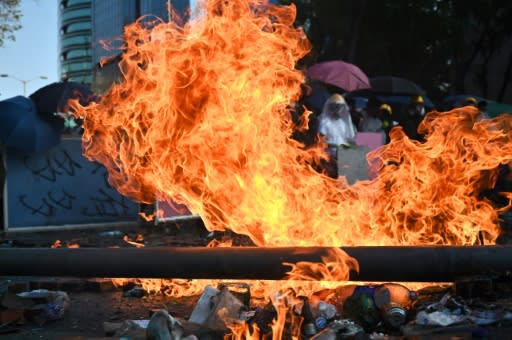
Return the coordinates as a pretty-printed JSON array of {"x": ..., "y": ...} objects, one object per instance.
[
  {"x": 137, "y": 242},
  {"x": 202, "y": 117},
  {"x": 69, "y": 244}
]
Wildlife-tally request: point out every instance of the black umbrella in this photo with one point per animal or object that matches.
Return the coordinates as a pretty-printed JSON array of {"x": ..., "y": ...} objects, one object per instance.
[
  {"x": 22, "y": 127},
  {"x": 54, "y": 97},
  {"x": 395, "y": 86}
]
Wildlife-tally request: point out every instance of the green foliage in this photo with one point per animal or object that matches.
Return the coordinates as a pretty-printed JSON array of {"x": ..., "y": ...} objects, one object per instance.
[{"x": 10, "y": 16}]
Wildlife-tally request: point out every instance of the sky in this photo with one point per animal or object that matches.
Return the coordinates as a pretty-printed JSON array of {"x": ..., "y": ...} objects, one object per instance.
[{"x": 35, "y": 51}]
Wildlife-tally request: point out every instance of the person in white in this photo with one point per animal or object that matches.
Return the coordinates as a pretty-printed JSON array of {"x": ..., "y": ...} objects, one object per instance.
[{"x": 336, "y": 124}]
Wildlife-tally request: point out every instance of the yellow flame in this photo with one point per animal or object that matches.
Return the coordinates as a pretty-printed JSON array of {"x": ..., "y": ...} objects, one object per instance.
[{"x": 202, "y": 118}]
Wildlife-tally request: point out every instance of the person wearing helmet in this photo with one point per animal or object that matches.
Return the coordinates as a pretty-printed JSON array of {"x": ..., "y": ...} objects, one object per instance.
[
  {"x": 336, "y": 123},
  {"x": 388, "y": 121},
  {"x": 415, "y": 113},
  {"x": 470, "y": 101},
  {"x": 385, "y": 115},
  {"x": 416, "y": 106},
  {"x": 370, "y": 117}
]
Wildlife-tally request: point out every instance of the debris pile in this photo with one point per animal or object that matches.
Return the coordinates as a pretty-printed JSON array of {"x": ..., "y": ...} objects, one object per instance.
[
  {"x": 363, "y": 311},
  {"x": 38, "y": 306}
]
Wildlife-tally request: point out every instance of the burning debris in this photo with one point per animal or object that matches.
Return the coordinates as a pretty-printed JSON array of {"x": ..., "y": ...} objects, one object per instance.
[
  {"x": 362, "y": 311},
  {"x": 309, "y": 309}
]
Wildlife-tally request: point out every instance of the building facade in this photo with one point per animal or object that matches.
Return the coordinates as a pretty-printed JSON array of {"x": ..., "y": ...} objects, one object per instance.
[
  {"x": 75, "y": 51},
  {"x": 108, "y": 21},
  {"x": 92, "y": 31}
]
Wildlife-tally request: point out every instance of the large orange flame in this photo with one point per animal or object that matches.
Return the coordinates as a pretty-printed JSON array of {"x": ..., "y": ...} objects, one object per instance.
[{"x": 202, "y": 117}]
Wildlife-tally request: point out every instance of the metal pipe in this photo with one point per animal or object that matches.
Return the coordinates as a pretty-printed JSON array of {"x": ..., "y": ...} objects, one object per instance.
[{"x": 411, "y": 263}]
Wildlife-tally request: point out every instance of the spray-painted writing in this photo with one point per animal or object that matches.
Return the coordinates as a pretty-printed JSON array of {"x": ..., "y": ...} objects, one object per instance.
[{"x": 60, "y": 186}]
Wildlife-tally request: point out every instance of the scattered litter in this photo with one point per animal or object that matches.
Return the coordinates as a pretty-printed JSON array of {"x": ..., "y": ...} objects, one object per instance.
[
  {"x": 53, "y": 304},
  {"x": 226, "y": 309},
  {"x": 204, "y": 305},
  {"x": 162, "y": 326},
  {"x": 132, "y": 329},
  {"x": 438, "y": 318}
]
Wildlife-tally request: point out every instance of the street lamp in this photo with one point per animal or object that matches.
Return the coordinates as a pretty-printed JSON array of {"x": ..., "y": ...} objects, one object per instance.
[{"x": 23, "y": 81}]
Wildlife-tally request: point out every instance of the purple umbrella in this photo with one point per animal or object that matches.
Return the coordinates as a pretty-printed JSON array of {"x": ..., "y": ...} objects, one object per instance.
[{"x": 344, "y": 75}]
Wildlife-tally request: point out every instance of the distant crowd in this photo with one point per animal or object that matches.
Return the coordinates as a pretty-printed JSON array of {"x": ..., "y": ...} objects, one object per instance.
[{"x": 341, "y": 117}]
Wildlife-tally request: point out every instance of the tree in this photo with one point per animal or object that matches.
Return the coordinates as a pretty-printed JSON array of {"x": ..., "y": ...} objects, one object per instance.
[
  {"x": 10, "y": 16},
  {"x": 443, "y": 45}
]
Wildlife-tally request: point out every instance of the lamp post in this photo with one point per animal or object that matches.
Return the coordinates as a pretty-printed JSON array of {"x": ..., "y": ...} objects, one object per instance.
[{"x": 23, "y": 81}]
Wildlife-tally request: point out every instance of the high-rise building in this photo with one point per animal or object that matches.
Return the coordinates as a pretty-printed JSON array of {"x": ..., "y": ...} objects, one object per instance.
[
  {"x": 91, "y": 30},
  {"x": 75, "y": 40},
  {"x": 108, "y": 21}
]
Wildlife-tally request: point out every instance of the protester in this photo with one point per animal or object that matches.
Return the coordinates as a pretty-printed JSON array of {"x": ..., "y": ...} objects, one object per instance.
[
  {"x": 371, "y": 121},
  {"x": 413, "y": 117},
  {"x": 335, "y": 123},
  {"x": 386, "y": 116},
  {"x": 416, "y": 106},
  {"x": 480, "y": 105},
  {"x": 470, "y": 101},
  {"x": 357, "y": 110}
]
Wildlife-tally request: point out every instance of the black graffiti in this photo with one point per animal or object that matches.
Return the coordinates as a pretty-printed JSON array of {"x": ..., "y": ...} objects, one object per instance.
[
  {"x": 65, "y": 202},
  {"x": 45, "y": 208},
  {"x": 49, "y": 205},
  {"x": 97, "y": 167},
  {"x": 66, "y": 163},
  {"x": 106, "y": 205},
  {"x": 55, "y": 164}
]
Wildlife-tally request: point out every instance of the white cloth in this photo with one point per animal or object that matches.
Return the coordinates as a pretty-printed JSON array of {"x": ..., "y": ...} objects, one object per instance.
[{"x": 337, "y": 129}]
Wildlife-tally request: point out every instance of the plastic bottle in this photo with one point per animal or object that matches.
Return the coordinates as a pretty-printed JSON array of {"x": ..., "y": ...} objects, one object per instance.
[{"x": 322, "y": 312}]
